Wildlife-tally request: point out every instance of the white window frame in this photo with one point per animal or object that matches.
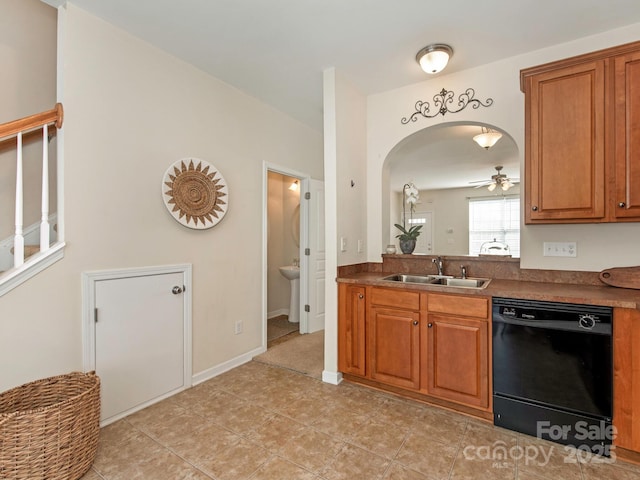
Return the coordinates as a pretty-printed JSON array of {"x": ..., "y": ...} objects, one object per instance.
[{"x": 506, "y": 231}]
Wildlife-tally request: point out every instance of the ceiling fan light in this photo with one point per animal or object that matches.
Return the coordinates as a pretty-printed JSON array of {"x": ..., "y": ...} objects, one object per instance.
[
  {"x": 434, "y": 58},
  {"x": 506, "y": 185},
  {"x": 491, "y": 187},
  {"x": 487, "y": 139}
]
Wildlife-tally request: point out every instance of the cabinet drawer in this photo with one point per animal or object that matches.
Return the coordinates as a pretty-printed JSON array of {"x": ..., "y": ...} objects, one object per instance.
[
  {"x": 458, "y": 305},
  {"x": 395, "y": 298}
]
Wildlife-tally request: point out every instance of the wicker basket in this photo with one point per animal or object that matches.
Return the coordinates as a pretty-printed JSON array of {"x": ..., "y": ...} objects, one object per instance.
[{"x": 49, "y": 428}]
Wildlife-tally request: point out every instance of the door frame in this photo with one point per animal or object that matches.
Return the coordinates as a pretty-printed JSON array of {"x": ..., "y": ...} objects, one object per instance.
[
  {"x": 304, "y": 240},
  {"x": 422, "y": 234},
  {"x": 89, "y": 280}
]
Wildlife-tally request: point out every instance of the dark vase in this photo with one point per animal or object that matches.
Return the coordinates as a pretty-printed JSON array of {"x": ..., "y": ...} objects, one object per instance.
[{"x": 407, "y": 246}]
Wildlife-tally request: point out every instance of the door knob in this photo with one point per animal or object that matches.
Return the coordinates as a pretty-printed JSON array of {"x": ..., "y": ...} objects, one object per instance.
[{"x": 177, "y": 290}]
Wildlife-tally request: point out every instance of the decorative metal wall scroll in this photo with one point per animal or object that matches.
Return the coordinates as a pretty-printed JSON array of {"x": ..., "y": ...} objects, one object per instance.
[
  {"x": 195, "y": 193},
  {"x": 441, "y": 103}
]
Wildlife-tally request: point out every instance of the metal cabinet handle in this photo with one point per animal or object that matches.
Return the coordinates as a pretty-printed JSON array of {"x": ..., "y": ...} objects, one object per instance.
[
  {"x": 360, "y": 296},
  {"x": 534, "y": 208},
  {"x": 415, "y": 322},
  {"x": 622, "y": 204},
  {"x": 177, "y": 290},
  {"x": 430, "y": 325}
]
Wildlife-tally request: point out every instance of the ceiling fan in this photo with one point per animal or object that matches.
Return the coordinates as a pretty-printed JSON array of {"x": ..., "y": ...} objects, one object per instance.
[{"x": 498, "y": 180}]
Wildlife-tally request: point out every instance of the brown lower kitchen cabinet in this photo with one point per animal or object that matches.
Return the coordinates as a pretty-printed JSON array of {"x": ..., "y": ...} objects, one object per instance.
[
  {"x": 394, "y": 336},
  {"x": 458, "y": 359},
  {"x": 430, "y": 346},
  {"x": 351, "y": 329},
  {"x": 457, "y": 363},
  {"x": 395, "y": 347},
  {"x": 626, "y": 382}
]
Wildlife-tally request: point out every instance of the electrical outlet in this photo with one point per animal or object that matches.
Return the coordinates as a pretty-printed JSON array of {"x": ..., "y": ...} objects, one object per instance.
[
  {"x": 343, "y": 244},
  {"x": 360, "y": 246},
  {"x": 238, "y": 327},
  {"x": 560, "y": 249}
]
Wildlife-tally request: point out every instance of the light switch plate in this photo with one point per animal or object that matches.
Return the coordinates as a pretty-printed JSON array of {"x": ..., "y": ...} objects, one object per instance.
[
  {"x": 343, "y": 244},
  {"x": 560, "y": 249}
]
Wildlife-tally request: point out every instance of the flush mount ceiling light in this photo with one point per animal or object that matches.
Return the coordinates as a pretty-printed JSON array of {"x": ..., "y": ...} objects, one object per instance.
[
  {"x": 433, "y": 58},
  {"x": 487, "y": 138}
]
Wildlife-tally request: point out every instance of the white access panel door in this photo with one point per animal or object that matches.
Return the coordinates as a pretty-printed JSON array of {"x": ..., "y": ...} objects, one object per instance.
[
  {"x": 317, "y": 256},
  {"x": 139, "y": 341}
]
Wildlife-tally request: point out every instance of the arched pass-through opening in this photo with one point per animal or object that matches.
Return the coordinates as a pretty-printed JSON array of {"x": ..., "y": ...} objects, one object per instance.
[{"x": 448, "y": 167}]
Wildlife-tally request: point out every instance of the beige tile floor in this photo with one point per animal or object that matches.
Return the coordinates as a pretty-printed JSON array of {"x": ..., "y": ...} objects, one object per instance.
[{"x": 260, "y": 422}]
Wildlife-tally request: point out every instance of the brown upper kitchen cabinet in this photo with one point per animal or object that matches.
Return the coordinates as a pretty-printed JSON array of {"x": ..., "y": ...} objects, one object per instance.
[
  {"x": 626, "y": 201},
  {"x": 582, "y": 129}
]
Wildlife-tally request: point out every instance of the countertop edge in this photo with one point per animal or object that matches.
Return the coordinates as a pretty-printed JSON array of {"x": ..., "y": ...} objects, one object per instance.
[{"x": 604, "y": 295}]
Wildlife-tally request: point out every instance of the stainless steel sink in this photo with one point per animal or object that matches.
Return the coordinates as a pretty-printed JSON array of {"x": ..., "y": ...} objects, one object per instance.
[
  {"x": 462, "y": 282},
  {"x": 410, "y": 278},
  {"x": 444, "y": 281}
]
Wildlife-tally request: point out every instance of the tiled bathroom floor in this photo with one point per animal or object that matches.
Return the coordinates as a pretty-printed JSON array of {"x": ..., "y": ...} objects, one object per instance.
[{"x": 262, "y": 422}]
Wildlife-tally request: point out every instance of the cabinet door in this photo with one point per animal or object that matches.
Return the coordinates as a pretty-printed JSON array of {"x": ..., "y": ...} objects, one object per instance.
[
  {"x": 565, "y": 149},
  {"x": 458, "y": 359},
  {"x": 627, "y": 137},
  {"x": 351, "y": 329},
  {"x": 626, "y": 378},
  {"x": 395, "y": 347}
]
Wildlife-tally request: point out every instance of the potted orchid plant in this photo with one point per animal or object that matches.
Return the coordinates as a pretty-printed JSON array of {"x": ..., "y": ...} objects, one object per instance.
[{"x": 408, "y": 237}]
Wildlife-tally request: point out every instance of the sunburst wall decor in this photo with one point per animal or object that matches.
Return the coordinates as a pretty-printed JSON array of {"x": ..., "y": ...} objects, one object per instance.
[{"x": 195, "y": 193}]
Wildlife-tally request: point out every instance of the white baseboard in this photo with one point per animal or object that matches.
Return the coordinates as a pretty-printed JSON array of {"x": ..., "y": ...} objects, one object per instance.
[
  {"x": 226, "y": 366},
  {"x": 334, "y": 378},
  {"x": 277, "y": 313}
]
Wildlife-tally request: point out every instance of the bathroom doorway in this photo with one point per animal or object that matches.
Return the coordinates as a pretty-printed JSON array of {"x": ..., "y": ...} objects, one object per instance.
[
  {"x": 293, "y": 233},
  {"x": 283, "y": 256},
  {"x": 302, "y": 223}
]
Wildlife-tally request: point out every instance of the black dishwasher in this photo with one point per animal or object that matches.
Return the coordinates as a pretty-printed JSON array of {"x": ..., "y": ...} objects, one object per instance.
[{"x": 553, "y": 371}]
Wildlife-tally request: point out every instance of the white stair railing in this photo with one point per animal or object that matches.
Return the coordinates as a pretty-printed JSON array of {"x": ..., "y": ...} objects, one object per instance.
[
  {"x": 16, "y": 133},
  {"x": 44, "y": 223},
  {"x": 18, "y": 239}
]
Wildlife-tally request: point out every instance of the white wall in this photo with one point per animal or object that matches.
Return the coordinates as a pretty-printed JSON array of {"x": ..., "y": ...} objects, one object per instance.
[
  {"x": 132, "y": 110},
  {"x": 599, "y": 246},
  {"x": 351, "y": 148},
  {"x": 282, "y": 248},
  {"x": 27, "y": 86},
  {"x": 28, "y": 58}
]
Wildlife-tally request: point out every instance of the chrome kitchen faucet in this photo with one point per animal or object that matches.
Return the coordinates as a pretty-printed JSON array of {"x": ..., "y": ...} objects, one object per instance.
[{"x": 438, "y": 263}]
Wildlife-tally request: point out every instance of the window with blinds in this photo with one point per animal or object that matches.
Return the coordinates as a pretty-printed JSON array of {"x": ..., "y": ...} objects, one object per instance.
[{"x": 494, "y": 219}]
